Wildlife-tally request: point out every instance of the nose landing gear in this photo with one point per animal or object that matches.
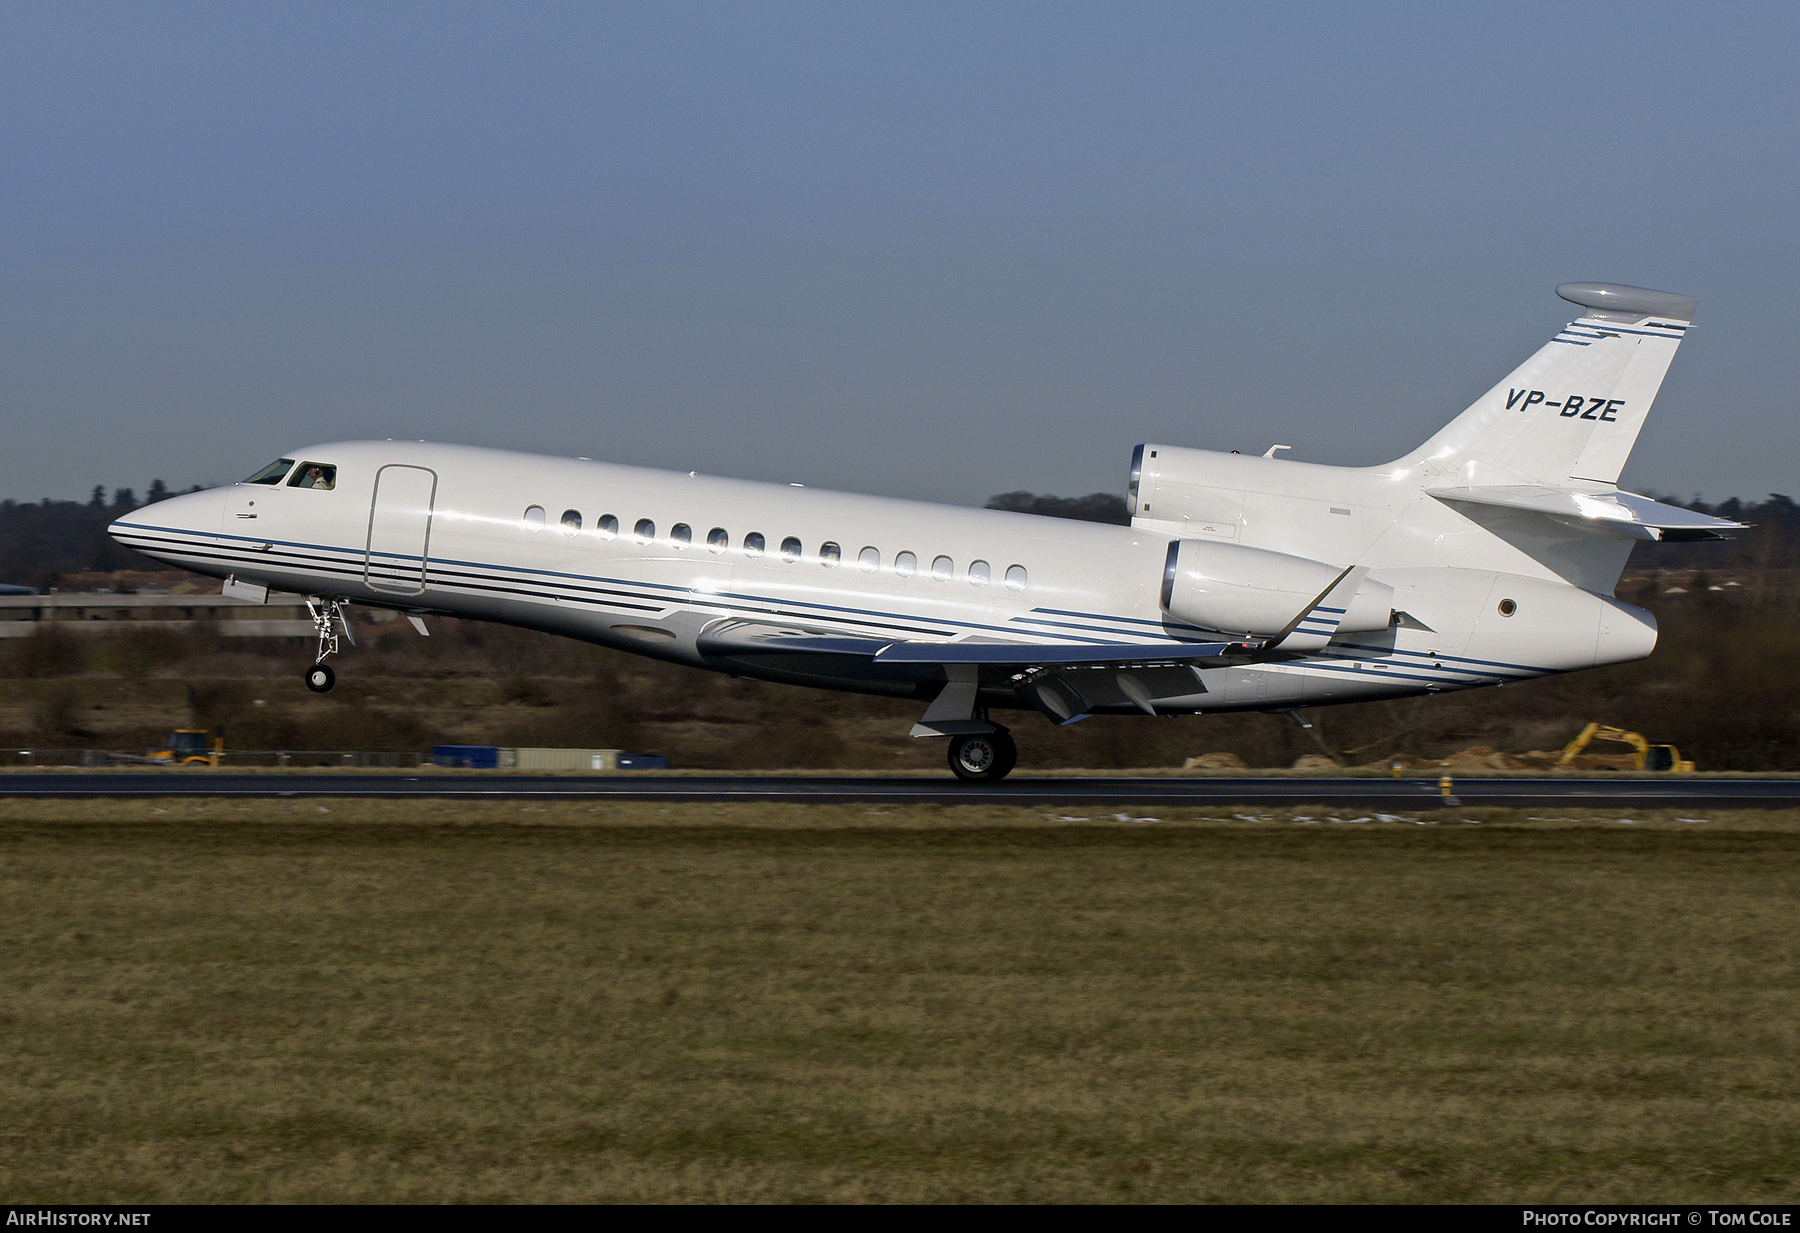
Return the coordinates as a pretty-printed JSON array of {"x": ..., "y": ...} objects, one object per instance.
[
  {"x": 985, "y": 757},
  {"x": 320, "y": 678}
]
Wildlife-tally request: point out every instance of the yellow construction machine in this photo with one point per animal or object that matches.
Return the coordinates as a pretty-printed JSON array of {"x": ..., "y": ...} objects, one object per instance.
[
  {"x": 1644, "y": 755},
  {"x": 187, "y": 747}
]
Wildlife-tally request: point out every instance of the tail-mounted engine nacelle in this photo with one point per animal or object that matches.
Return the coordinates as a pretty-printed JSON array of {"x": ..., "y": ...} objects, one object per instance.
[{"x": 1258, "y": 593}]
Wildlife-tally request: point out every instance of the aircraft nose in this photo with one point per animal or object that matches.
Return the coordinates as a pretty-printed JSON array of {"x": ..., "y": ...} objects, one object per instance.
[{"x": 164, "y": 523}]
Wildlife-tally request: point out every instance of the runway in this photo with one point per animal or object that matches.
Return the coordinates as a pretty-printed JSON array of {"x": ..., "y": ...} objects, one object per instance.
[{"x": 1380, "y": 794}]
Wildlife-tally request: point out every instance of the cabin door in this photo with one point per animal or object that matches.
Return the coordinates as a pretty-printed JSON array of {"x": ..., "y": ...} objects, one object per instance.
[{"x": 399, "y": 529}]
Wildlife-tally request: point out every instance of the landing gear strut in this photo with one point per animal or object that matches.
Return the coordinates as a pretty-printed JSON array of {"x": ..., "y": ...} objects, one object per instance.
[
  {"x": 985, "y": 757},
  {"x": 319, "y": 677}
]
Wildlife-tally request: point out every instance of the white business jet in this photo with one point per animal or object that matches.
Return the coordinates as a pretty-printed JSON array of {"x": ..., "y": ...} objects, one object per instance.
[{"x": 1487, "y": 555}]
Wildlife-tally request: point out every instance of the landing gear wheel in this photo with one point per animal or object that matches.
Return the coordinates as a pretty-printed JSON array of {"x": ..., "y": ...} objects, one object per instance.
[
  {"x": 984, "y": 758},
  {"x": 320, "y": 678}
]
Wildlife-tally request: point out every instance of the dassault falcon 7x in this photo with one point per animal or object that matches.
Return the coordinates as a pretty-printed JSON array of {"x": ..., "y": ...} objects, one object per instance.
[{"x": 1489, "y": 554}]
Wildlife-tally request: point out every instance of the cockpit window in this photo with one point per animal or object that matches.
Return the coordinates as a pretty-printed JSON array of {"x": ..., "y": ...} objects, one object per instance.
[
  {"x": 272, "y": 473},
  {"x": 314, "y": 475}
]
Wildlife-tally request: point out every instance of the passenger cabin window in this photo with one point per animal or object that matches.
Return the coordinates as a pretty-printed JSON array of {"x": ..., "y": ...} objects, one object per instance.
[
  {"x": 978, "y": 573},
  {"x": 906, "y": 564},
  {"x": 942, "y": 568},
  {"x": 869, "y": 559},
  {"x": 681, "y": 534},
  {"x": 608, "y": 526},
  {"x": 829, "y": 553},
  {"x": 753, "y": 544},
  {"x": 314, "y": 475},
  {"x": 534, "y": 518},
  {"x": 644, "y": 531},
  {"x": 718, "y": 539},
  {"x": 273, "y": 473},
  {"x": 790, "y": 549},
  {"x": 571, "y": 521},
  {"x": 1015, "y": 577}
]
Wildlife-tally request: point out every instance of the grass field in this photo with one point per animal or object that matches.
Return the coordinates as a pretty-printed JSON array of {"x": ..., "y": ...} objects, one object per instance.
[{"x": 213, "y": 1001}]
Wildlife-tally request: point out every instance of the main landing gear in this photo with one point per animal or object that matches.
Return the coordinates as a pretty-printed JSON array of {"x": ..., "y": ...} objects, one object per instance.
[
  {"x": 984, "y": 757},
  {"x": 320, "y": 678},
  {"x": 981, "y": 751}
]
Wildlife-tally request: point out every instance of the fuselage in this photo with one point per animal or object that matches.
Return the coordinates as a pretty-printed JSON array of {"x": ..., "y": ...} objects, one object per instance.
[{"x": 670, "y": 564}]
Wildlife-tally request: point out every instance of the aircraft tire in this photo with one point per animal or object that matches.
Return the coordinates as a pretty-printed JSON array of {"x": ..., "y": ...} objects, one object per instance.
[
  {"x": 320, "y": 678},
  {"x": 984, "y": 758}
]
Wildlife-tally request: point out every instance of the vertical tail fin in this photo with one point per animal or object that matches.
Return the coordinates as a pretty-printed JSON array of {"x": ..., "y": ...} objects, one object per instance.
[{"x": 1574, "y": 410}]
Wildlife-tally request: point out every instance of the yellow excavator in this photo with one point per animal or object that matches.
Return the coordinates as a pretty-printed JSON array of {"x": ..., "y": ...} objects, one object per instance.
[
  {"x": 187, "y": 747},
  {"x": 1644, "y": 755}
]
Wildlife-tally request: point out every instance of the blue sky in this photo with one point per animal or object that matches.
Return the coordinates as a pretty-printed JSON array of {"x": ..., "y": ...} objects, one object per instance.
[{"x": 917, "y": 249}]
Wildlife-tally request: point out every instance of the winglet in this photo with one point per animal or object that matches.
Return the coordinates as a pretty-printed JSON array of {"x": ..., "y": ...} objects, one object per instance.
[{"x": 1315, "y": 624}]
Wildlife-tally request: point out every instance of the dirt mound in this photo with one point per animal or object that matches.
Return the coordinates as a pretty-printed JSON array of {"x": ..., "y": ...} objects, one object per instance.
[
  {"x": 1215, "y": 762},
  {"x": 1480, "y": 757},
  {"x": 1474, "y": 758}
]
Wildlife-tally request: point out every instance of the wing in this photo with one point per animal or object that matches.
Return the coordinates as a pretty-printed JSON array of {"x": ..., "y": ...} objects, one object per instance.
[
  {"x": 1058, "y": 654},
  {"x": 739, "y": 639},
  {"x": 954, "y": 675}
]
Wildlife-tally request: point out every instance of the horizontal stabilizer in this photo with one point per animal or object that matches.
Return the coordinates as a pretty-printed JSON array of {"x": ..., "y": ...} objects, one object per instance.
[{"x": 1625, "y": 515}]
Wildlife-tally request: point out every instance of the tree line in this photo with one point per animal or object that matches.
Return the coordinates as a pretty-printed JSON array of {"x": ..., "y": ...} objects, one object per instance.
[{"x": 40, "y": 540}]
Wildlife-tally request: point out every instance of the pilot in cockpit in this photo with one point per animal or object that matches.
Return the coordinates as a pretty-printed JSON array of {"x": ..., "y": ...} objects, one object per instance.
[{"x": 317, "y": 476}]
